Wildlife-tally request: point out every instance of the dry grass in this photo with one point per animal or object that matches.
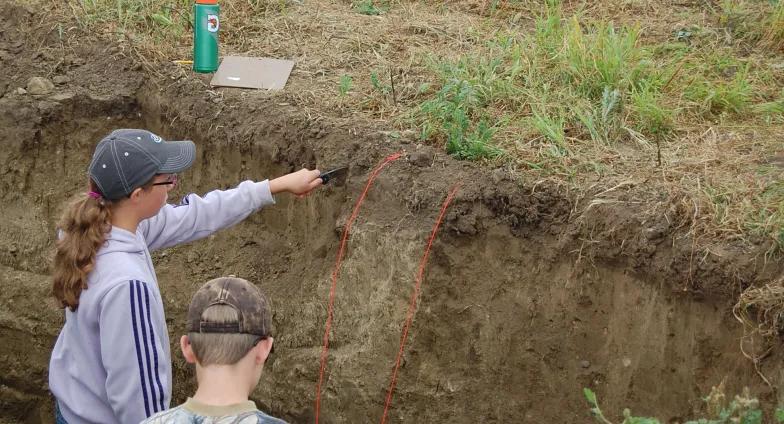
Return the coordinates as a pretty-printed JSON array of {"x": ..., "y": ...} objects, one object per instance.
[
  {"x": 773, "y": 36},
  {"x": 761, "y": 311},
  {"x": 694, "y": 111}
]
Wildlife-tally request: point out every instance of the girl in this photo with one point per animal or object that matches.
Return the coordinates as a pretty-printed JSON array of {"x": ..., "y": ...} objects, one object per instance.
[{"x": 111, "y": 362}]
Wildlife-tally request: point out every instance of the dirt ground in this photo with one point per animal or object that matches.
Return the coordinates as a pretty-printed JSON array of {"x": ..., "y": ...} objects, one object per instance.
[{"x": 531, "y": 294}]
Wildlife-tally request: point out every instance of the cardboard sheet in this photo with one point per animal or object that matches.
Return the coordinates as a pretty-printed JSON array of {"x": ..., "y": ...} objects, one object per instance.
[{"x": 252, "y": 72}]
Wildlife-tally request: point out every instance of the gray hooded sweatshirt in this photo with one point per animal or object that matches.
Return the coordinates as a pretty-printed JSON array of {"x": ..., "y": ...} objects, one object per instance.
[{"x": 112, "y": 361}]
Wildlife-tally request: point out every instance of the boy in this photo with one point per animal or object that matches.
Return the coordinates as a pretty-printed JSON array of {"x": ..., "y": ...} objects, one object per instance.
[{"x": 229, "y": 339}]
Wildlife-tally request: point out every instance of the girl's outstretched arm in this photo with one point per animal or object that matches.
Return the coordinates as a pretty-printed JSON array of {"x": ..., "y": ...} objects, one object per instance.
[{"x": 198, "y": 217}]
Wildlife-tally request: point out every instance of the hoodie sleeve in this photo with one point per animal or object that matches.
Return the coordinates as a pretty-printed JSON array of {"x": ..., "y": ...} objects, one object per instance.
[
  {"x": 132, "y": 353},
  {"x": 197, "y": 217}
]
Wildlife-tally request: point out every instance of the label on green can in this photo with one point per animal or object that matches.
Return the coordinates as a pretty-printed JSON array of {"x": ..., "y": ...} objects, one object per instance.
[{"x": 213, "y": 23}]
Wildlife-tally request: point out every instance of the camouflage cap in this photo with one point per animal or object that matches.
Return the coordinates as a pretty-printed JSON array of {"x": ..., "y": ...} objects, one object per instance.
[{"x": 250, "y": 303}]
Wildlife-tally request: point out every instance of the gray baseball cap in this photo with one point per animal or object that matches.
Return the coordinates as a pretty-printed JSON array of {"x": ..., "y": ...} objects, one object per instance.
[
  {"x": 127, "y": 159},
  {"x": 253, "y": 309}
]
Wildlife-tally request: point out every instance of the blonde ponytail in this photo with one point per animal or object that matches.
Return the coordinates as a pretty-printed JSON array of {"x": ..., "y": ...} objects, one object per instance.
[{"x": 81, "y": 232}]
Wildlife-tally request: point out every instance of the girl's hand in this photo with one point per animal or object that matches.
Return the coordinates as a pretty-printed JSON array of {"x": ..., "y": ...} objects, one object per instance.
[{"x": 300, "y": 182}]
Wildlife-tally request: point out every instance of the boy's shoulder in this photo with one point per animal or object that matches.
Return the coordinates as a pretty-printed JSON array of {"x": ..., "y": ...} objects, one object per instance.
[
  {"x": 181, "y": 415},
  {"x": 173, "y": 415},
  {"x": 266, "y": 419}
]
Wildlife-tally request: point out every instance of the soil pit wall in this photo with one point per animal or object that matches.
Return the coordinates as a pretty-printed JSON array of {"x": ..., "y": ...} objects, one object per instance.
[{"x": 510, "y": 326}]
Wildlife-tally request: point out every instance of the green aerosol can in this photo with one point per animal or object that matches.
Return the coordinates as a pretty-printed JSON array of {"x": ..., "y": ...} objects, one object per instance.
[{"x": 206, "y": 23}]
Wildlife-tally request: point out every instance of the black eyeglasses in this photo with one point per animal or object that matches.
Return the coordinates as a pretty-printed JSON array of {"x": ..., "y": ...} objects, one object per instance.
[{"x": 171, "y": 181}]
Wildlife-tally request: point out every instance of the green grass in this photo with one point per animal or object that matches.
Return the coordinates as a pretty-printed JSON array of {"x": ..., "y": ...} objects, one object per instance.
[
  {"x": 756, "y": 211},
  {"x": 344, "y": 86},
  {"x": 755, "y": 22},
  {"x": 743, "y": 409},
  {"x": 551, "y": 127},
  {"x": 733, "y": 15},
  {"x": 773, "y": 37},
  {"x": 452, "y": 116},
  {"x": 382, "y": 88},
  {"x": 163, "y": 20},
  {"x": 652, "y": 116},
  {"x": 618, "y": 87},
  {"x": 371, "y": 7},
  {"x": 768, "y": 220},
  {"x": 600, "y": 59},
  {"x": 718, "y": 97},
  {"x": 526, "y": 80},
  {"x": 771, "y": 111}
]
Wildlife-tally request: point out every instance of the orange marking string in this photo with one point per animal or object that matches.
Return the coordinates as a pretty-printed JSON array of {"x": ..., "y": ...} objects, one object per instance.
[
  {"x": 412, "y": 306},
  {"x": 335, "y": 273}
]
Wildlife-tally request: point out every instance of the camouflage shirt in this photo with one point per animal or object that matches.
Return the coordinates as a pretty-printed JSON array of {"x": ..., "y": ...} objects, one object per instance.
[{"x": 195, "y": 412}]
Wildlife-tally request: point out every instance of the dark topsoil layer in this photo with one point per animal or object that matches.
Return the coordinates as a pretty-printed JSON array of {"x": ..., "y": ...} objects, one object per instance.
[{"x": 530, "y": 294}]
